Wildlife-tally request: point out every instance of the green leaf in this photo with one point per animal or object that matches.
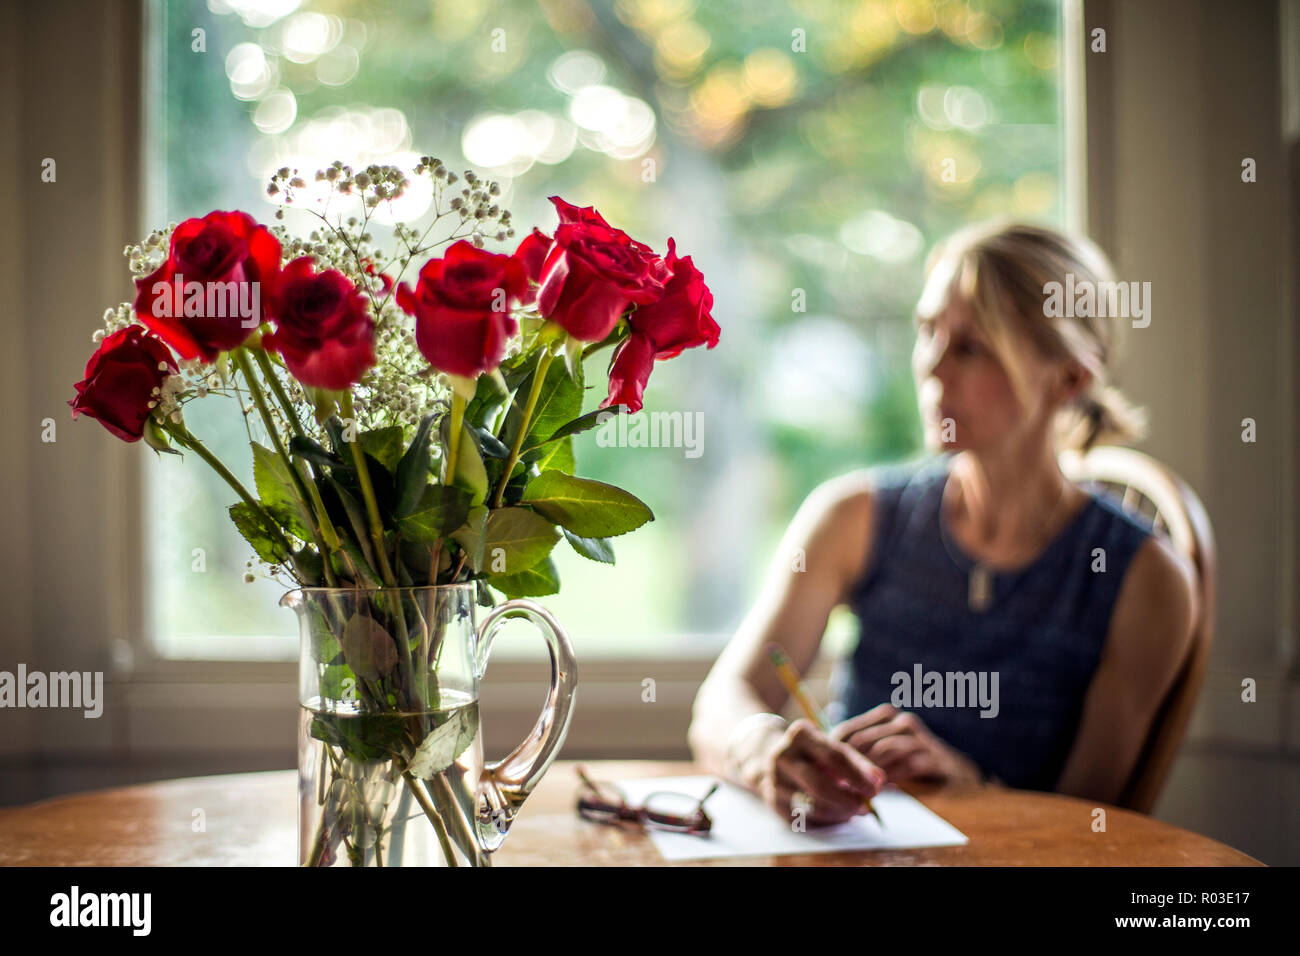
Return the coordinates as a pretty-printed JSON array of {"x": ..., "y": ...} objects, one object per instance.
[
  {"x": 470, "y": 473},
  {"x": 588, "y": 508},
  {"x": 557, "y": 456},
  {"x": 357, "y": 519},
  {"x": 370, "y": 577},
  {"x": 439, "y": 510},
  {"x": 333, "y": 684},
  {"x": 470, "y": 537},
  {"x": 368, "y": 648},
  {"x": 252, "y": 526},
  {"x": 517, "y": 368},
  {"x": 417, "y": 557},
  {"x": 439, "y": 750},
  {"x": 558, "y": 402},
  {"x": 489, "y": 445},
  {"x": 325, "y": 647},
  {"x": 490, "y": 395},
  {"x": 516, "y": 539},
  {"x": 393, "y": 545},
  {"x": 581, "y": 424},
  {"x": 413, "y": 469},
  {"x": 156, "y": 438},
  {"x": 573, "y": 349},
  {"x": 287, "y": 518},
  {"x": 336, "y": 431},
  {"x": 597, "y": 549},
  {"x": 541, "y": 579},
  {"x": 384, "y": 445},
  {"x": 314, "y": 453},
  {"x": 278, "y": 493},
  {"x": 326, "y": 729},
  {"x": 362, "y": 738},
  {"x": 381, "y": 482},
  {"x": 311, "y": 567}
]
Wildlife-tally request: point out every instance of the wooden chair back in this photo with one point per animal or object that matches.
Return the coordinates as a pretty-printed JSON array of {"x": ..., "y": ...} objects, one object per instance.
[{"x": 1144, "y": 487}]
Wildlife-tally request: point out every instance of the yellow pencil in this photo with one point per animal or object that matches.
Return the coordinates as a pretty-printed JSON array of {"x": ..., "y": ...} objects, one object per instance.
[{"x": 790, "y": 678}]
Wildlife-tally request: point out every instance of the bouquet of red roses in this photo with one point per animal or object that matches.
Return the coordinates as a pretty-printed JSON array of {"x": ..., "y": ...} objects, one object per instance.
[
  {"x": 407, "y": 432},
  {"x": 412, "y": 429}
]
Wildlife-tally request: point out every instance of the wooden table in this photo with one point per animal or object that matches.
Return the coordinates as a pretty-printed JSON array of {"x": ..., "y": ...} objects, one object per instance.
[{"x": 250, "y": 819}]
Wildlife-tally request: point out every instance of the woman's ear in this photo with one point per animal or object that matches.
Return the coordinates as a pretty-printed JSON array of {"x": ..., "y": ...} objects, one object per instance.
[{"x": 1072, "y": 383}]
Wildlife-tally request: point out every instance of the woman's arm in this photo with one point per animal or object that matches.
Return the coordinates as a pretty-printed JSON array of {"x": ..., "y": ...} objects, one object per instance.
[
  {"x": 821, "y": 555},
  {"x": 1150, "y": 631}
]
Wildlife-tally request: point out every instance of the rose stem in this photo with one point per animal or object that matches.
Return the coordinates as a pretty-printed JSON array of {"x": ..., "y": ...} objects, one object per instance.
[
  {"x": 259, "y": 399},
  {"x": 539, "y": 376},
  {"x": 453, "y": 450},
  {"x": 453, "y": 436},
  {"x": 187, "y": 440},
  {"x": 377, "y": 539},
  {"x": 463, "y": 826},
  {"x": 318, "y": 846},
  {"x": 422, "y": 799},
  {"x": 322, "y": 516}
]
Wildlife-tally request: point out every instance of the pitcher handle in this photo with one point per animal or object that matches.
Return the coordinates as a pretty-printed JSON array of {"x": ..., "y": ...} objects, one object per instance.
[{"x": 506, "y": 784}]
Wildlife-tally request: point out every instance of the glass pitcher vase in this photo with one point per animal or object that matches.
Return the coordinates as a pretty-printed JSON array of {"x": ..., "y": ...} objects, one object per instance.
[{"x": 390, "y": 753}]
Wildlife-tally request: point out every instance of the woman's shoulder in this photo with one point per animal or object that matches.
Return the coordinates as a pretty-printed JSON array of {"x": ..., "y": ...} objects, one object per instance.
[
  {"x": 850, "y": 508},
  {"x": 1159, "y": 578},
  {"x": 1157, "y": 606},
  {"x": 1151, "y": 629},
  {"x": 856, "y": 491}
]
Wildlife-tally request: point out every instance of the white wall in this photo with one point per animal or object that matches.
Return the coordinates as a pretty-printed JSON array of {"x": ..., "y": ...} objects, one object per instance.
[{"x": 1184, "y": 92}]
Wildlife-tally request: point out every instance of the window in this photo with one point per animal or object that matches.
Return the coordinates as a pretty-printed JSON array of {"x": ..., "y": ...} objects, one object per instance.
[{"x": 805, "y": 155}]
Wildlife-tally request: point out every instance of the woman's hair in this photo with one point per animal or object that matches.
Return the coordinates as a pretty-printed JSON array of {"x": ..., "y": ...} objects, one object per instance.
[{"x": 1002, "y": 269}]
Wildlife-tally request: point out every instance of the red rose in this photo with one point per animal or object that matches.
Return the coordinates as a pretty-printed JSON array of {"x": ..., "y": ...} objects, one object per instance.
[
  {"x": 461, "y": 306},
  {"x": 680, "y": 320},
  {"x": 532, "y": 255},
  {"x": 568, "y": 212},
  {"x": 322, "y": 326},
  {"x": 593, "y": 272},
  {"x": 233, "y": 260},
  {"x": 120, "y": 380},
  {"x": 385, "y": 280}
]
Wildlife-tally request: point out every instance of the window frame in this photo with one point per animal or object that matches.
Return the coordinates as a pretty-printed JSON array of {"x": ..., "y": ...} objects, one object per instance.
[
  {"x": 171, "y": 704},
  {"x": 611, "y": 683}
]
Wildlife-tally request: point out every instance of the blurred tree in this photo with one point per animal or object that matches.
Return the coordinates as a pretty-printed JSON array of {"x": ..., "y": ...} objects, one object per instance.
[{"x": 805, "y": 154}]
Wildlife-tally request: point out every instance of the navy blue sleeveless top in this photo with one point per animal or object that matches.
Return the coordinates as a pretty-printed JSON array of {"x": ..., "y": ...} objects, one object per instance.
[{"x": 1040, "y": 638}]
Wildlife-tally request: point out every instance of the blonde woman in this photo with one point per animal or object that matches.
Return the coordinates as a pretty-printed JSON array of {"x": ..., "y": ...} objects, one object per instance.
[{"x": 980, "y": 558}]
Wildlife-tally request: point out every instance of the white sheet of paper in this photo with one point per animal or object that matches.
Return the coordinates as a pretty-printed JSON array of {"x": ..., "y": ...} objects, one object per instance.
[{"x": 744, "y": 826}]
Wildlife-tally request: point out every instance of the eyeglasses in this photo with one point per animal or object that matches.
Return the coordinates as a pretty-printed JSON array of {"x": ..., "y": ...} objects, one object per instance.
[{"x": 662, "y": 810}]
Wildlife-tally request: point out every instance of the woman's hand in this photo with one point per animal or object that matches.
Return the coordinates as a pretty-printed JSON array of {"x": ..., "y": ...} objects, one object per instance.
[
  {"x": 835, "y": 777},
  {"x": 900, "y": 744}
]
